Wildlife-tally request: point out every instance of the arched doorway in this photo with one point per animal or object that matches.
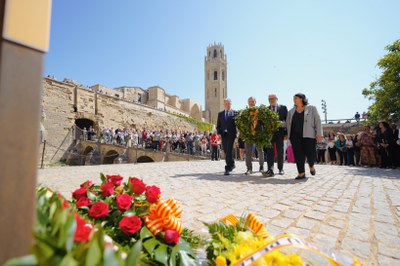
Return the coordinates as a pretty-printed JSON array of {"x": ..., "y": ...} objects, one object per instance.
[
  {"x": 82, "y": 123},
  {"x": 85, "y": 153},
  {"x": 145, "y": 159},
  {"x": 110, "y": 157}
]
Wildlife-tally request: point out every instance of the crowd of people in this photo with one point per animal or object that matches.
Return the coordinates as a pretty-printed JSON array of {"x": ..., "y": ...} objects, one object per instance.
[
  {"x": 298, "y": 140},
  {"x": 193, "y": 143}
]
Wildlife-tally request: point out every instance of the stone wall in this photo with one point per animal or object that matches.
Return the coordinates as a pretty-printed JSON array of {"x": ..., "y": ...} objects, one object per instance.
[{"x": 64, "y": 103}]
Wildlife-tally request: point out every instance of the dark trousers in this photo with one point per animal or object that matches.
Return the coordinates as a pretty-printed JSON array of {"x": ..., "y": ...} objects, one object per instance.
[
  {"x": 214, "y": 152},
  {"x": 302, "y": 148},
  {"x": 321, "y": 156},
  {"x": 278, "y": 141},
  {"x": 343, "y": 157},
  {"x": 227, "y": 145},
  {"x": 332, "y": 153},
  {"x": 350, "y": 156}
]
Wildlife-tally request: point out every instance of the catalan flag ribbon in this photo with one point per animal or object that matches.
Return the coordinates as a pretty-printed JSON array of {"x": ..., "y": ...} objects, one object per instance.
[
  {"x": 254, "y": 224},
  {"x": 164, "y": 215}
]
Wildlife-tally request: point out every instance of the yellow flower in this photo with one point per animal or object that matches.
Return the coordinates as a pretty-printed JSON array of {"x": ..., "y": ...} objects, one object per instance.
[{"x": 220, "y": 261}]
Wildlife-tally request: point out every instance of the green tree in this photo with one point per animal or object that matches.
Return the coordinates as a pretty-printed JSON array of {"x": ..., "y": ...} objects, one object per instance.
[{"x": 385, "y": 91}]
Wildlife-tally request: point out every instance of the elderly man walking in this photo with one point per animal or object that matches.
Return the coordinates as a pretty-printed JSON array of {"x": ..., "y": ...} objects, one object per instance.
[{"x": 248, "y": 146}]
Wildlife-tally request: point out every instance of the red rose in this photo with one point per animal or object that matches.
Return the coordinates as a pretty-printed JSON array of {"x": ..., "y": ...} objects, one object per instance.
[
  {"x": 130, "y": 225},
  {"x": 172, "y": 237},
  {"x": 114, "y": 179},
  {"x": 87, "y": 184},
  {"x": 153, "y": 194},
  {"x": 83, "y": 230},
  {"x": 107, "y": 189},
  {"x": 124, "y": 202},
  {"x": 84, "y": 201},
  {"x": 137, "y": 185},
  {"x": 79, "y": 193},
  {"x": 99, "y": 210}
]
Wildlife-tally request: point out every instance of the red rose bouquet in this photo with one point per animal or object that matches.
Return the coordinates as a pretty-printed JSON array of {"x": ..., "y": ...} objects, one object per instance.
[{"x": 133, "y": 211}]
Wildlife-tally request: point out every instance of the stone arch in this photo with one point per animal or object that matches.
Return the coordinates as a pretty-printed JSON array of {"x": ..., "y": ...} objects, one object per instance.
[
  {"x": 87, "y": 150},
  {"x": 195, "y": 111},
  {"x": 215, "y": 53},
  {"x": 145, "y": 159},
  {"x": 110, "y": 156}
]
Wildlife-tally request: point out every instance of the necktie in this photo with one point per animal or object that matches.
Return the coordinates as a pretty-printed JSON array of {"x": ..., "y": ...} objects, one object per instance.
[{"x": 226, "y": 115}]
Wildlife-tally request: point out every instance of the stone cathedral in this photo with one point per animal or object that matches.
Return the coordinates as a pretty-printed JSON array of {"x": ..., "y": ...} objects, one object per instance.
[{"x": 215, "y": 80}]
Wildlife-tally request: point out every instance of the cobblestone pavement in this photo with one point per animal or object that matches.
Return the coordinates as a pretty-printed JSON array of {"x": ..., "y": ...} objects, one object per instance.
[{"x": 350, "y": 209}]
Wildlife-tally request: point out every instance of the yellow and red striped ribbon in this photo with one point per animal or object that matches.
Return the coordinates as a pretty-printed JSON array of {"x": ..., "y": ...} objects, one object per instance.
[
  {"x": 254, "y": 224},
  {"x": 164, "y": 215}
]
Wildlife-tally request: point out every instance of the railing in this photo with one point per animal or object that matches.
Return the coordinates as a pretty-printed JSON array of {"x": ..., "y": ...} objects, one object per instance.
[{"x": 342, "y": 121}]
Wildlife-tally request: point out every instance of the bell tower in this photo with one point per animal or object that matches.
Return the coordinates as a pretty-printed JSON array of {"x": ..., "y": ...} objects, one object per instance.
[{"x": 215, "y": 80}]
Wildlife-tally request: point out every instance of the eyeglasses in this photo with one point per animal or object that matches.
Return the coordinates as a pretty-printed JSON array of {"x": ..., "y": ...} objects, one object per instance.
[{"x": 271, "y": 99}]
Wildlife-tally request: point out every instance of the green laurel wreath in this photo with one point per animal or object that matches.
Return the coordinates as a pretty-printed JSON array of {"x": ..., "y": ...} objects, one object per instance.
[{"x": 268, "y": 123}]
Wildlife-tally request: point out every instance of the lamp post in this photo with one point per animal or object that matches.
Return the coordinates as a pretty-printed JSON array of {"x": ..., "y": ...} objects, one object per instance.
[{"x": 323, "y": 103}]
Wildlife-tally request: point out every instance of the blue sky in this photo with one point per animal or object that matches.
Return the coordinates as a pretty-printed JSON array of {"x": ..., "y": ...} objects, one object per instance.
[{"x": 325, "y": 49}]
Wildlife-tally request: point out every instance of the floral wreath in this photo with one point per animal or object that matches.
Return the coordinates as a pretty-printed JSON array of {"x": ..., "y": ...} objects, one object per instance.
[{"x": 257, "y": 124}]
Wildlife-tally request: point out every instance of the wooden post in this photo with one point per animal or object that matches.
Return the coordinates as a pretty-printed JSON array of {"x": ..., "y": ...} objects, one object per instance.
[{"x": 25, "y": 27}]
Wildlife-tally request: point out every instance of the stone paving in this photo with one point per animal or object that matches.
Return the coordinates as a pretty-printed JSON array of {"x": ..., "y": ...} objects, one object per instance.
[{"x": 349, "y": 209}]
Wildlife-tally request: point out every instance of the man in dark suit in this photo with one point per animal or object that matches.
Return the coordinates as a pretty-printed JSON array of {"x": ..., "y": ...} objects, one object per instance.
[
  {"x": 277, "y": 139},
  {"x": 226, "y": 128}
]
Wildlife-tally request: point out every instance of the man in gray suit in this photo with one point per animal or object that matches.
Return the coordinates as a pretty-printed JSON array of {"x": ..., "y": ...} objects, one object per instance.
[
  {"x": 277, "y": 139},
  {"x": 249, "y": 148}
]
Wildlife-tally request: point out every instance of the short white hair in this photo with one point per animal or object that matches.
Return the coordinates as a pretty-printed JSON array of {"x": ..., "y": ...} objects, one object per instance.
[
  {"x": 273, "y": 94},
  {"x": 227, "y": 99},
  {"x": 252, "y": 98}
]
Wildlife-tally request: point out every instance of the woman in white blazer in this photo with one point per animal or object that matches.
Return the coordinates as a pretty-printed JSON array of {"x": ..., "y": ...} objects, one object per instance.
[{"x": 304, "y": 130}]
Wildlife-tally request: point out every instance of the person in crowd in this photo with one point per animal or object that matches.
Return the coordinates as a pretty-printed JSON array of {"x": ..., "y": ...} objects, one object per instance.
[
  {"x": 396, "y": 148},
  {"x": 332, "y": 147},
  {"x": 226, "y": 128},
  {"x": 321, "y": 149},
  {"x": 386, "y": 145},
  {"x": 367, "y": 147},
  {"x": 204, "y": 143},
  {"x": 357, "y": 117},
  {"x": 214, "y": 143},
  {"x": 304, "y": 130},
  {"x": 342, "y": 149},
  {"x": 277, "y": 139},
  {"x": 350, "y": 150},
  {"x": 241, "y": 148},
  {"x": 248, "y": 146},
  {"x": 356, "y": 149},
  {"x": 85, "y": 133}
]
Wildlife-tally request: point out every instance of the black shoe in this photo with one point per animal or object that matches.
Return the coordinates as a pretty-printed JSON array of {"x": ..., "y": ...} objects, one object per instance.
[
  {"x": 261, "y": 168},
  {"x": 248, "y": 172},
  {"x": 313, "y": 172},
  {"x": 299, "y": 177},
  {"x": 269, "y": 173},
  {"x": 226, "y": 172},
  {"x": 233, "y": 167},
  {"x": 281, "y": 172}
]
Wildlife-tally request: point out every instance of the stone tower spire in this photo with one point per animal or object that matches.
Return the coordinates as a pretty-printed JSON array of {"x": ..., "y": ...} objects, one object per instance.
[{"x": 215, "y": 77}]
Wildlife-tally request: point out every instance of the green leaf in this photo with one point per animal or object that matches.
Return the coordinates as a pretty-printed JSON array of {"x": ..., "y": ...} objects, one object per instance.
[
  {"x": 69, "y": 261},
  {"x": 103, "y": 178},
  {"x": 134, "y": 255},
  {"x": 145, "y": 233},
  {"x": 185, "y": 259},
  {"x": 29, "y": 260},
  {"x": 150, "y": 245},
  {"x": 93, "y": 256},
  {"x": 110, "y": 258},
  {"x": 91, "y": 196},
  {"x": 161, "y": 253}
]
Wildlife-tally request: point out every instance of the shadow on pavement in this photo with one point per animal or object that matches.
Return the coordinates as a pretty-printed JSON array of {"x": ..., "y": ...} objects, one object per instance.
[
  {"x": 239, "y": 177},
  {"x": 374, "y": 172}
]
